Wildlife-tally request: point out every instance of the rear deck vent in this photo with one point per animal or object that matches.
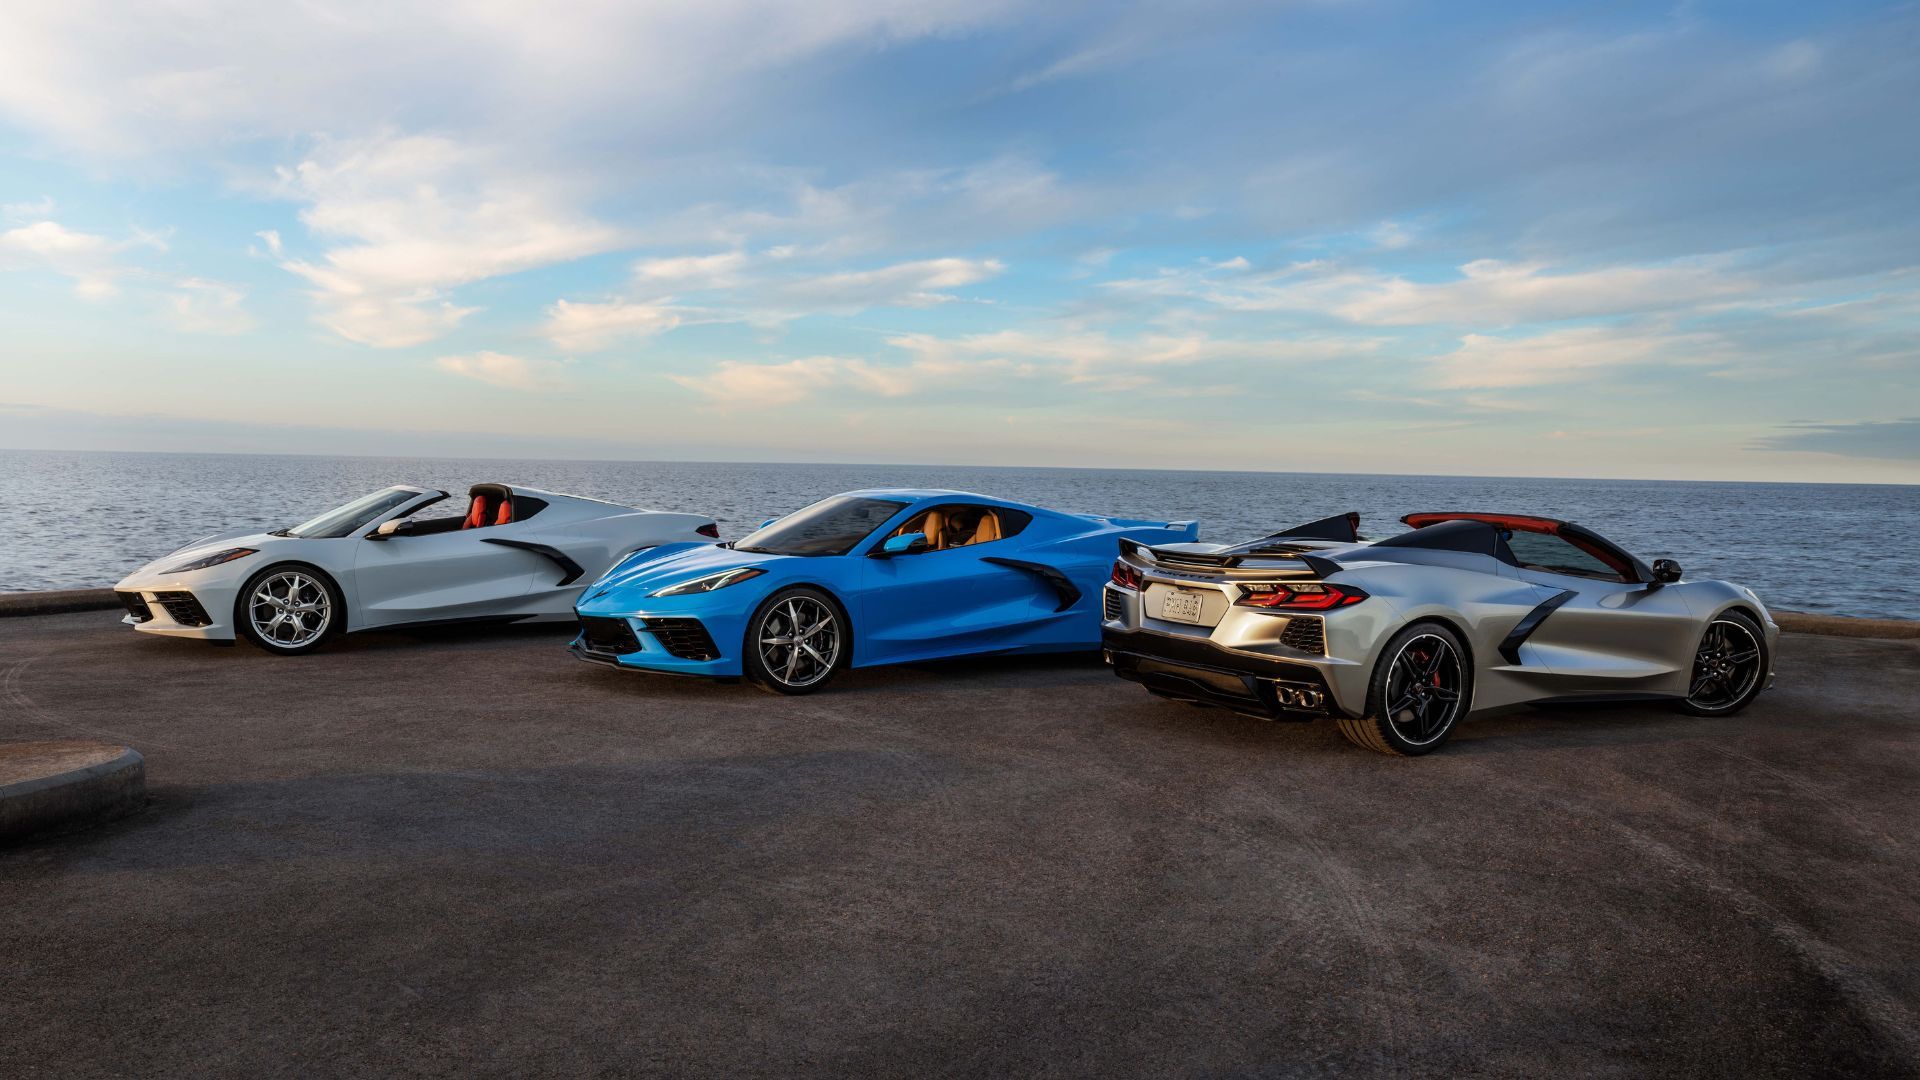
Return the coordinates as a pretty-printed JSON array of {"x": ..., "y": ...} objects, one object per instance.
[{"x": 1308, "y": 633}]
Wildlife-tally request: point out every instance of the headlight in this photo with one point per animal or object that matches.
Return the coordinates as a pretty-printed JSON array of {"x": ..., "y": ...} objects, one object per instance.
[
  {"x": 213, "y": 560},
  {"x": 711, "y": 582}
]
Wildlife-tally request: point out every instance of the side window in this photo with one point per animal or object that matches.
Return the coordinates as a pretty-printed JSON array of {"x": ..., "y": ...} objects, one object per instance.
[
  {"x": 1542, "y": 551},
  {"x": 962, "y": 525}
]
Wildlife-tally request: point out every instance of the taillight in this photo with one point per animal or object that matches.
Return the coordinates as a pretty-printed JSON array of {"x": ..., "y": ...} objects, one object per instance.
[
  {"x": 709, "y": 529},
  {"x": 1304, "y": 597},
  {"x": 1126, "y": 576}
]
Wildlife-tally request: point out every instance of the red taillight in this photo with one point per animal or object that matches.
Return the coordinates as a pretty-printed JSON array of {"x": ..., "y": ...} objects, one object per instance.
[
  {"x": 1305, "y": 597},
  {"x": 1125, "y": 576},
  {"x": 709, "y": 530}
]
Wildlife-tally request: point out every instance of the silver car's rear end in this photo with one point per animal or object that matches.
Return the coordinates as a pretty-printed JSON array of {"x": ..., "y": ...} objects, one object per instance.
[{"x": 1199, "y": 626}]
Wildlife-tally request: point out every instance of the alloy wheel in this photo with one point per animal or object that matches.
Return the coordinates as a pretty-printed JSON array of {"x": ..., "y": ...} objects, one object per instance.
[
  {"x": 1726, "y": 667},
  {"x": 799, "y": 641},
  {"x": 1423, "y": 687},
  {"x": 290, "y": 610}
]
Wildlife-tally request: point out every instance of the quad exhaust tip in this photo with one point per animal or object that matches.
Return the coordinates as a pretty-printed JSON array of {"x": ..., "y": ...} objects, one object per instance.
[{"x": 1303, "y": 697}]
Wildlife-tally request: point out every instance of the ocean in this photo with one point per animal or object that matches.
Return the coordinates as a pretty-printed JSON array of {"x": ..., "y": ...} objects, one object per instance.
[{"x": 83, "y": 519}]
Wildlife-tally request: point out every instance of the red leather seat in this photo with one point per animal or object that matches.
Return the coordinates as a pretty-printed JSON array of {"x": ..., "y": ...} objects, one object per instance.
[
  {"x": 477, "y": 514},
  {"x": 505, "y": 516}
]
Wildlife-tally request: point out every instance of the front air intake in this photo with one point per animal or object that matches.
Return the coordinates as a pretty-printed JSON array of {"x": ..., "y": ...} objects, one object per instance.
[
  {"x": 609, "y": 637},
  {"x": 183, "y": 608},
  {"x": 136, "y": 606},
  {"x": 685, "y": 638}
]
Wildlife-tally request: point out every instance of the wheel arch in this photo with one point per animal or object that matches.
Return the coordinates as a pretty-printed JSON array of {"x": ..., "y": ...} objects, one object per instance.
[
  {"x": 832, "y": 595},
  {"x": 1452, "y": 622},
  {"x": 332, "y": 579}
]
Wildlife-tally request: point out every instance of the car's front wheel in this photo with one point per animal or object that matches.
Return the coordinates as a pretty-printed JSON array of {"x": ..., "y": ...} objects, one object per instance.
[
  {"x": 1422, "y": 685},
  {"x": 797, "y": 641},
  {"x": 289, "y": 609},
  {"x": 1729, "y": 668}
]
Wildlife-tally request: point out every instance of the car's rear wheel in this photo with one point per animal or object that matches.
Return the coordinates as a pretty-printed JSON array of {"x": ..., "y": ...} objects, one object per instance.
[
  {"x": 797, "y": 641},
  {"x": 1422, "y": 685},
  {"x": 289, "y": 609},
  {"x": 1729, "y": 667}
]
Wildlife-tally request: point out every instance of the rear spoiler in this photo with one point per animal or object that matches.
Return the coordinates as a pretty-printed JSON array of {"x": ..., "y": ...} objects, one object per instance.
[
  {"x": 1191, "y": 528},
  {"x": 1320, "y": 565}
]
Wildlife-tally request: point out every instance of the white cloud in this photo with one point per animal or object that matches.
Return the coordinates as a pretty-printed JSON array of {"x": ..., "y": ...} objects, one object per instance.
[
  {"x": 908, "y": 284},
  {"x": 99, "y": 271},
  {"x": 39, "y": 210},
  {"x": 1492, "y": 292},
  {"x": 1570, "y": 355},
  {"x": 764, "y": 289},
  {"x": 691, "y": 271},
  {"x": 119, "y": 81},
  {"x": 511, "y": 372},
  {"x": 1390, "y": 235},
  {"x": 580, "y": 327},
  {"x": 411, "y": 217},
  {"x": 1488, "y": 292},
  {"x": 207, "y": 307},
  {"x": 86, "y": 258},
  {"x": 1086, "y": 360},
  {"x": 1110, "y": 362}
]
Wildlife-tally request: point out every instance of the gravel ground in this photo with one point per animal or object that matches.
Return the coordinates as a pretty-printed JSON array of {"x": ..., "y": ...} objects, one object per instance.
[{"x": 469, "y": 854}]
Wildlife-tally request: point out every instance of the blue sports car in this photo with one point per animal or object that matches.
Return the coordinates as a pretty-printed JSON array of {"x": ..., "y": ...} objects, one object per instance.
[{"x": 862, "y": 579}]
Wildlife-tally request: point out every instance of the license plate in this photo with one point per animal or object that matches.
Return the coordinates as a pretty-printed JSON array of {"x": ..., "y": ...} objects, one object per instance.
[{"x": 1180, "y": 607}]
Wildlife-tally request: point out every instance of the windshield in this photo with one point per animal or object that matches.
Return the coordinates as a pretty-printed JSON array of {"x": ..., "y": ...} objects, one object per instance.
[
  {"x": 828, "y": 527},
  {"x": 356, "y": 515}
]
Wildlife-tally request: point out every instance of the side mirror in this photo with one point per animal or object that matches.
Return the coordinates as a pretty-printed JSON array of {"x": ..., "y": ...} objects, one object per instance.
[
  {"x": 904, "y": 544},
  {"x": 391, "y": 529},
  {"x": 1665, "y": 571}
]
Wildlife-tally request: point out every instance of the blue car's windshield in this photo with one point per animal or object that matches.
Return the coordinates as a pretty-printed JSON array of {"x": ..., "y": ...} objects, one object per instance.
[
  {"x": 344, "y": 520},
  {"x": 828, "y": 527}
]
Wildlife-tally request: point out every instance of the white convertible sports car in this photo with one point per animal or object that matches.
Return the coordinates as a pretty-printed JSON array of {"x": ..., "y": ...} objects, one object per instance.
[{"x": 516, "y": 554}]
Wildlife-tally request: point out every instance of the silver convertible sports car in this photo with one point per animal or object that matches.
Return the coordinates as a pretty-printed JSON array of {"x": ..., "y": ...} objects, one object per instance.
[
  {"x": 1398, "y": 639},
  {"x": 393, "y": 559}
]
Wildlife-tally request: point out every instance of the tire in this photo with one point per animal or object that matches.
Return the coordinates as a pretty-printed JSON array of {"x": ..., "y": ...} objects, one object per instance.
[
  {"x": 1729, "y": 667},
  {"x": 1430, "y": 677},
  {"x": 775, "y": 662},
  {"x": 317, "y": 610}
]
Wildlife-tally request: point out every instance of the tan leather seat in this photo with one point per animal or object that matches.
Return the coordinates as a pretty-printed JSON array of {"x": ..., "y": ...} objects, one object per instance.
[
  {"x": 988, "y": 530},
  {"x": 934, "y": 525}
]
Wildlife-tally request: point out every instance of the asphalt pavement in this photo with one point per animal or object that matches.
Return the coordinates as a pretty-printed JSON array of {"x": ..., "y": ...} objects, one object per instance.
[{"x": 466, "y": 853}]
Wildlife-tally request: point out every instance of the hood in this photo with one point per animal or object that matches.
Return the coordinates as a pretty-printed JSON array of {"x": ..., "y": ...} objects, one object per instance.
[
  {"x": 208, "y": 545},
  {"x": 655, "y": 569}
]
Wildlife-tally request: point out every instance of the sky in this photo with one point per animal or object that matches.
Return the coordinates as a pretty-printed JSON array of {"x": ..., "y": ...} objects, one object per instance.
[{"x": 1610, "y": 239}]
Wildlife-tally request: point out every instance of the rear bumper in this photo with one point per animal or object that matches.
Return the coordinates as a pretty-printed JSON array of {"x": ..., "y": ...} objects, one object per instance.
[{"x": 1195, "y": 669}]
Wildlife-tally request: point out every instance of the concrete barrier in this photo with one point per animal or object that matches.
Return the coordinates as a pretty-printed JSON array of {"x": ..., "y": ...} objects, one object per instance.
[
  {"x": 1805, "y": 622},
  {"x": 1798, "y": 622},
  {"x": 56, "y": 602},
  {"x": 69, "y": 783}
]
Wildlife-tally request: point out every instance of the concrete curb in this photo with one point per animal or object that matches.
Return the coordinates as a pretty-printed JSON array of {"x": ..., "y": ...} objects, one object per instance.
[
  {"x": 67, "y": 784},
  {"x": 1794, "y": 622},
  {"x": 1803, "y": 622},
  {"x": 56, "y": 602}
]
